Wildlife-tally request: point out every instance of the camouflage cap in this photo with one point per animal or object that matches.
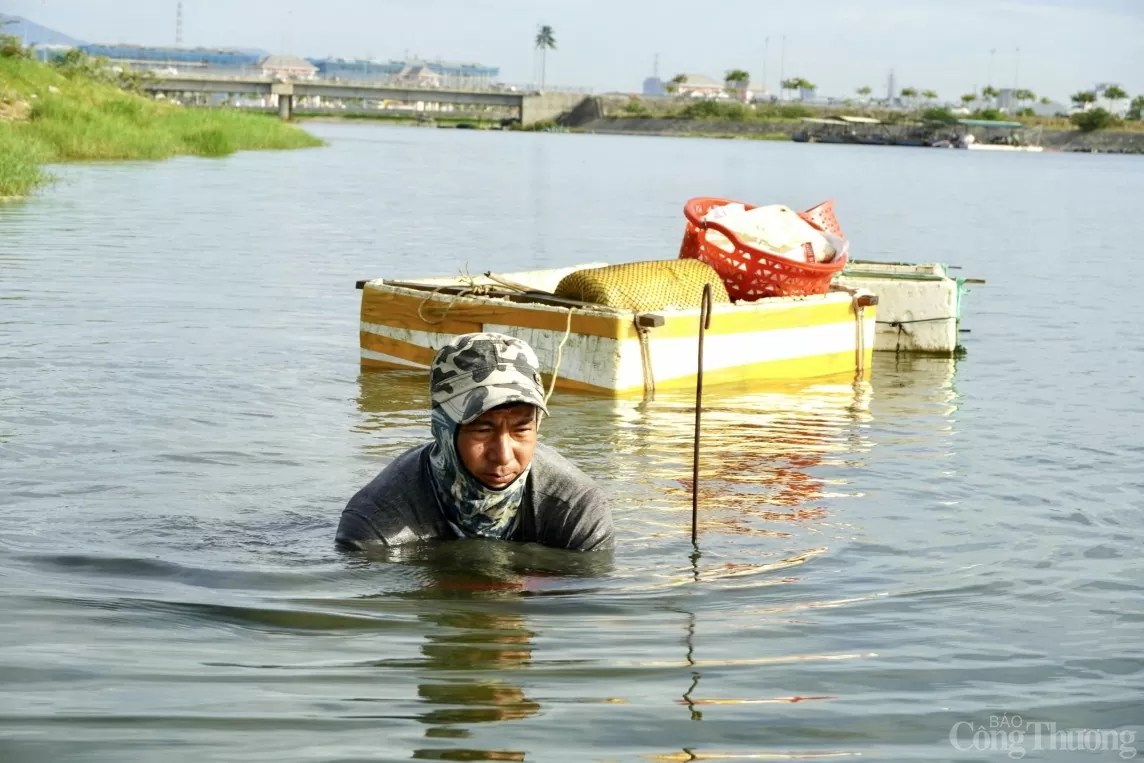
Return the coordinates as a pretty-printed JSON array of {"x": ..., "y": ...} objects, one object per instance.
[{"x": 475, "y": 373}]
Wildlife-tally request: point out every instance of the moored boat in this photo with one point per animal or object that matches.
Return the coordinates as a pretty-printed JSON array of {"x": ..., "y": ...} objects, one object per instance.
[
  {"x": 1003, "y": 147},
  {"x": 616, "y": 352}
]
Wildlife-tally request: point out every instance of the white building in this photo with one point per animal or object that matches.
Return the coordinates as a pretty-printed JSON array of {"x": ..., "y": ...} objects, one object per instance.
[
  {"x": 286, "y": 67},
  {"x": 699, "y": 86}
]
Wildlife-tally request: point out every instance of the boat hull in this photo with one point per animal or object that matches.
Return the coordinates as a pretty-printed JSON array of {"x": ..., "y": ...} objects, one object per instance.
[
  {"x": 919, "y": 305},
  {"x": 1002, "y": 147},
  {"x": 603, "y": 351}
]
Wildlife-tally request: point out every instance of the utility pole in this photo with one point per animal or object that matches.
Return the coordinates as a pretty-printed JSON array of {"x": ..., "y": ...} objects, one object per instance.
[
  {"x": 782, "y": 68},
  {"x": 179, "y": 24},
  {"x": 992, "y": 53},
  {"x": 1017, "y": 71},
  {"x": 766, "y": 58}
]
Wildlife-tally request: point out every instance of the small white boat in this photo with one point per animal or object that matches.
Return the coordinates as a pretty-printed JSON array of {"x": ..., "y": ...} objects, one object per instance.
[
  {"x": 615, "y": 352},
  {"x": 1003, "y": 147},
  {"x": 919, "y": 305}
]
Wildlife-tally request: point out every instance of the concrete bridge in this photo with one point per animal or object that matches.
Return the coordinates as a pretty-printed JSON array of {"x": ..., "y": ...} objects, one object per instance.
[{"x": 532, "y": 107}]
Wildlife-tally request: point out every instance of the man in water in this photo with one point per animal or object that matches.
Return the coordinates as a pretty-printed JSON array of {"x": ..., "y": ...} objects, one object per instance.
[{"x": 483, "y": 475}]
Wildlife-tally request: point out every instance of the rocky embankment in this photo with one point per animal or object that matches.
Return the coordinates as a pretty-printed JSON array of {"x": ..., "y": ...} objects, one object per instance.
[{"x": 596, "y": 115}]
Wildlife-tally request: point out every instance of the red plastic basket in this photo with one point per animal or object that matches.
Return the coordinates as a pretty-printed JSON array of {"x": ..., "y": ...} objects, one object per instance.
[{"x": 751, "y": 273}]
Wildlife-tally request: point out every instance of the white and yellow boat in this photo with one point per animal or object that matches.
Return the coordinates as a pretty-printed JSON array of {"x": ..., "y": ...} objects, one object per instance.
[{"x": 615, "y": 352}]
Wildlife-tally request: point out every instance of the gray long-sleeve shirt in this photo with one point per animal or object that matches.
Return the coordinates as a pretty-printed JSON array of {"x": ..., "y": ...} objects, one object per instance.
[{"x": 562, "y": 507}]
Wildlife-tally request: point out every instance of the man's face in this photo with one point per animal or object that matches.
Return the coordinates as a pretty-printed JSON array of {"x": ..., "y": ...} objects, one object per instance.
[{"x": 499, "y": 445}]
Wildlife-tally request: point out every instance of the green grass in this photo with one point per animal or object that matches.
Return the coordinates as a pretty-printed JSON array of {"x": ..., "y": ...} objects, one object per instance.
[
  {"x": 47, "y": 116},
  {"x": 20, "y": 166}
]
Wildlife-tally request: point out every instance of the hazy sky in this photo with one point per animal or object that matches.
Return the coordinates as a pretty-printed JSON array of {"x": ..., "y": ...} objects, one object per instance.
[{"x": 1065, "y": 45}]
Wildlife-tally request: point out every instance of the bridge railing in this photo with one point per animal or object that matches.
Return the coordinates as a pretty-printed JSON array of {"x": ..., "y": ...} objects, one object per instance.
[{"x": 454, "y": 83}]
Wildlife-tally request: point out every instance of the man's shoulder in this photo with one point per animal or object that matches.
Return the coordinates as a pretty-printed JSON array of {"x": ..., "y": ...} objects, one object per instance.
[
  {"x": 557, "y": 477},
  {"x": 395, "y": 507},
  {"x": 400, "y": 475},
  {"x": 569, "y": 509}
]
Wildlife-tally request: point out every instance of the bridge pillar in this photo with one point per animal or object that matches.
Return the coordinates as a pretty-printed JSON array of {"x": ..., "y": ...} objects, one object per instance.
[
  {"x": 285, "y": 93},
  {"x": 546, "y": 107}
]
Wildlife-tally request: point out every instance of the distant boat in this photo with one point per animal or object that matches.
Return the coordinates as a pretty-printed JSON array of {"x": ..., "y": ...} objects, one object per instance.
[
  {"x": 998, "y": 136},
  {"x": 1003, "y": 147}
]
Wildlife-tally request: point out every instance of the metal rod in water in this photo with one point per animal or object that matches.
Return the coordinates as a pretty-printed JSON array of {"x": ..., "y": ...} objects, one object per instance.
[{"x": 704, "y": 324}]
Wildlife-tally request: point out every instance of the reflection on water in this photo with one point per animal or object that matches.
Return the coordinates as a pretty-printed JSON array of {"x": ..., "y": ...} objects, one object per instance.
[
  {"x": 477, "y": 640},
  {"x": 470, "y": 656},
  {"x": 770, "y": 457}
]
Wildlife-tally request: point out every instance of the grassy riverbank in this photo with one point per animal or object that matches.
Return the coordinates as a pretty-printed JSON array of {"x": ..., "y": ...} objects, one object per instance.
[
  {"x": 730, "y": 111},
  {"x": 50, "y": 114}
]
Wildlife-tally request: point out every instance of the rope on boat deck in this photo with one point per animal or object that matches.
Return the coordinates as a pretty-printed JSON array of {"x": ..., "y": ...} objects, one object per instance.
[
  {"x": 559, "y": 357},
  {"x": 899, "y": 324},
  {"x": 860, "y": 339},
  {"x": 472, "y": 289},
  {"x": 644, "y": 334},
  {"x": 901, "y": 327}
]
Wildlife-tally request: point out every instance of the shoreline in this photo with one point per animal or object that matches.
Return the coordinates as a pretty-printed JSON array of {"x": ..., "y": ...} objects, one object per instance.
[
  {"x": 1058, "y": 141},
  {"x": 1120, "y": 142}
]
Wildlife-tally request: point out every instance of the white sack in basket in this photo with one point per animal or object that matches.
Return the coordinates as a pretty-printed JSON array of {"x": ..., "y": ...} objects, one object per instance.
[{"x": 774, "y": 229}]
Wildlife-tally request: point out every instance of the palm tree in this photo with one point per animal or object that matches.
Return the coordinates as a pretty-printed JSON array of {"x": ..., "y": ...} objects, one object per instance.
[
  {"x": 990, "y": 92},
  {"x": 545, "y": 40},
  {"x": 968, "y": 98},
  {"x": 909, "y": 93},
  {"x": 736, "y": 81},
  {"x": 673, "y": 84},
  {"x": 1084, "y": 99},
  {"x": 930, "y": 95},
  {"x": 1024, "y": 96},
  {"x": 790, "y": 84},
  {"x": 1136, "y": 108},
  {"x": 864, "y": 91},
  {"x": 1115, "y": 93},
  {"x": 1046, "y": 101}
]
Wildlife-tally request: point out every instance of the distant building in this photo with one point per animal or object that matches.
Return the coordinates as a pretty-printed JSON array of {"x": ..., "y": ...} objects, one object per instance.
[
  {"x": 699, "y": 86},
  {"x": 808, "y": 94},
  {"x": 1051, "y": 109},
  {"x": 757, "y": 91},
  {"x": 46, "y": 51},
  {"x": 440, "y": 73},
  {"x": 418, "y": 75},
  {"x": 286, "y": 67},
  {"x": 654, "y": 86},
  {"x": 1006, "y": 100},
  {"x": 146, "y": 57}
]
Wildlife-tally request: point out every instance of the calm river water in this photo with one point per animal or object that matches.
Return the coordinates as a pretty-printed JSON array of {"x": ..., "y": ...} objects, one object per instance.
[{"x": 182, "y": 417}]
